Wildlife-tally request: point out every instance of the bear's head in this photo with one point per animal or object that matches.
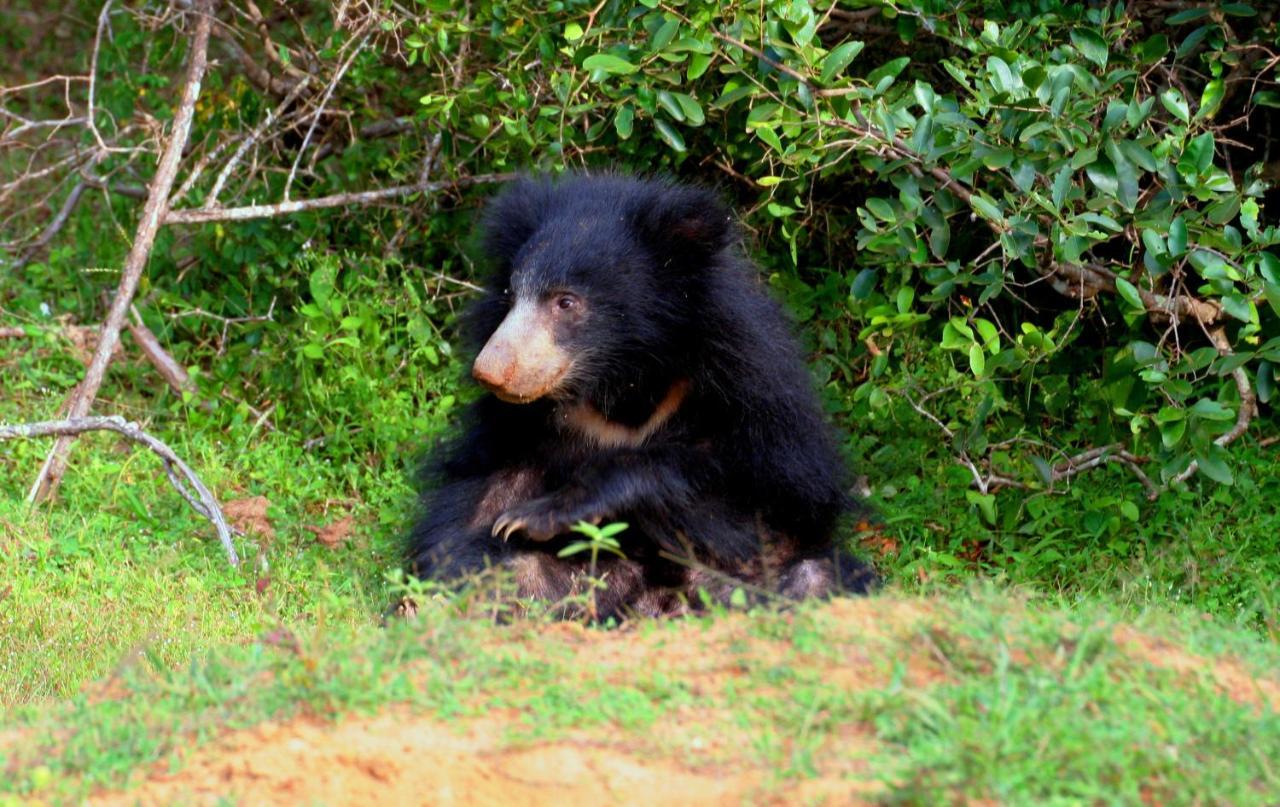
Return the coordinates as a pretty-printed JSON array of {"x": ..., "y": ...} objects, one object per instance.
[{"x": 597, "y": 281}]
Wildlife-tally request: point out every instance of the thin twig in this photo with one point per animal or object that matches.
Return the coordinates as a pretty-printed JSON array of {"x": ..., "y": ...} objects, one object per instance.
[
  {"x": 202, "y": 501},
  {"x": 212, "y": 199},
  {"x": 315, "y": 117}
]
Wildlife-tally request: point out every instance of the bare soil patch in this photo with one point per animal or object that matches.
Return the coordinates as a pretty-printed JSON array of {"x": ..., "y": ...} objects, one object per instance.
[{"x": 695, "y": 756}]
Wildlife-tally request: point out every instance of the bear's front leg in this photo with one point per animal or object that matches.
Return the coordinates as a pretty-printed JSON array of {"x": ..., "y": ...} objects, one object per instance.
[
  {"x": 624, "y": 482},
  {"x": 544, "y": 518}
]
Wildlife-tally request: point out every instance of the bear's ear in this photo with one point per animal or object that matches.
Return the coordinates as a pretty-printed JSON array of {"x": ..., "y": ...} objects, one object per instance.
[
  {"x": 512, "y": 218},
  {"x": 684, "y": 221}
]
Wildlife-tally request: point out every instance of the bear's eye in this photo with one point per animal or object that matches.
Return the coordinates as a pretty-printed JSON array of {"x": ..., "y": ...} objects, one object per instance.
[{"x": 566, "y": 302}]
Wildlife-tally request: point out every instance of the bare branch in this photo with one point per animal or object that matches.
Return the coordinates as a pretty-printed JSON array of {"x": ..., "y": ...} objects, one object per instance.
[
  {"x": 153, "y": 214},
  {"x": 203, "y": 215},
  {"x": 174, "y": 374},
  {"x": 198, "y": 496},
  {"x": 93, "y": 73}
]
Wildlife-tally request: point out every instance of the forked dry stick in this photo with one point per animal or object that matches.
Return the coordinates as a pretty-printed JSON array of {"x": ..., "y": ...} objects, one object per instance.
[
  {"x": 197, "y": 495},
  {"x": 153, "y": 214}
]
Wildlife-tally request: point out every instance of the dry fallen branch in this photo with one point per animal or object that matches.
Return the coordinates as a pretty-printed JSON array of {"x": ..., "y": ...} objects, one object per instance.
[
  {"x": 169, "y": 368},
  {"x": 153, "y": 213},
  {"x": 197, "y": 495}
]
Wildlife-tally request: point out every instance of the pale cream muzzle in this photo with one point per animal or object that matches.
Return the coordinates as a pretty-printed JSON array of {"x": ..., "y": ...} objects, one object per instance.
[{"x": 521, "y": 362}]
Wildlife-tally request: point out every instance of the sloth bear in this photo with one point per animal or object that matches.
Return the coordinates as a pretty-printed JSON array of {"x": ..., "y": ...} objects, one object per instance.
[{"x": 636, "y": 371}]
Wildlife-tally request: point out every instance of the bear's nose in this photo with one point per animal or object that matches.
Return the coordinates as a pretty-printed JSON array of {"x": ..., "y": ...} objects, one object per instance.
[{"x": 494, "y": 366}]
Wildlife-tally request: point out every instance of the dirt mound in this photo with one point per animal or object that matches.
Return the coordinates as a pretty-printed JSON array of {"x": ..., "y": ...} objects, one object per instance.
[
  {"x": 405, "y": 757},
  {"x": 400, "y": 758}
]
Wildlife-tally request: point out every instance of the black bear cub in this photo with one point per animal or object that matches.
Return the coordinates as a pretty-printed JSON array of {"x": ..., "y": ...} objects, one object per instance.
[{"x": 636, "y": 372}]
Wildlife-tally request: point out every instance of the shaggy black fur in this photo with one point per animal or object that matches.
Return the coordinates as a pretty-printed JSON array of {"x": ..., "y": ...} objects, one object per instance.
[{"x": 744, "y": 481}]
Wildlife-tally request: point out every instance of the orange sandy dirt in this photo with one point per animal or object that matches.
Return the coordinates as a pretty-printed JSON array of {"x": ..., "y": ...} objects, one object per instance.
[{"x": 405, "y": 757}]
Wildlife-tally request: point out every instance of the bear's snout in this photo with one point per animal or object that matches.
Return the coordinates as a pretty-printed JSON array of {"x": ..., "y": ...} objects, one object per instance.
[{"x": 521, "y": 362}]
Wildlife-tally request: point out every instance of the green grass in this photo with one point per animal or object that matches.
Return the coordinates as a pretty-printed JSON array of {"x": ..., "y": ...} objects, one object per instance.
[
  {"x": 977, "y": 696},
  {"x": 119, "y": 565}
]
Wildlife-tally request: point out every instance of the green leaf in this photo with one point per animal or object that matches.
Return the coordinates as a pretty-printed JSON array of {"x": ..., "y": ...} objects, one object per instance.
[
  {"x": 663, "y": 36},
  {"x": 1189, "y": 15},
  {"x": 1237, "y": 306},
  {"x": 761, "y": 113},
  {"x": 1177, "y": 237},
  {"x": 1138, "y": 155},
  {"x": 986, "y": 504},
  {"x": 322, "y": 283},
  {"x": 977, "y": 361},
  {"x": 668, "y": 102},
  {"x": 881, "y": 209},
  {"x": 1153, "y": 242},
  {"x": 610, "y": 530},
  {"x": 1061, "y": 185},
  {"x": 1176, "y": 104},
  {"x": 863, "y": 284},
  {"x": 906, "y": 295},
  {"x": 1093, "y": 46},
  {"x": 1103, "y": 176},
  {"x": 1213, "y": 464},
  {"x": 692, "y": 111},
  {"x": 1266, "y": 381},
  {"x": 698, "y": 64},
  {"x": 1154, "y": 48},
  {"x": 1130, "y": 294},
  {"x": 986, "y": 208},
  {"x": 1001, "y": 74},
  {"x": 1211, "y": 99},
  {"x": 608, "y": 63},
  {"x": 1126, "y": 176},
  {"x": 888, "y": 70},
  {"x": 1272, "y": 292},
  {"x": 1209, "y": 409},
  {"x": 1193, "y": 40},
  {"x": 624, "y": 120},
  {"x": 1269, "y": 267},
  {"x": 669, "y": 134},
  {"x": 839, "y": 58},
  {"x": 1172, "y": 432},
  {"x": 1197, "y": 157}
]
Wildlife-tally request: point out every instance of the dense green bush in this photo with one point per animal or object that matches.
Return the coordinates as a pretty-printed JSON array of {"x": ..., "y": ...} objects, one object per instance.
[{"x": 1024, "y": 239}]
